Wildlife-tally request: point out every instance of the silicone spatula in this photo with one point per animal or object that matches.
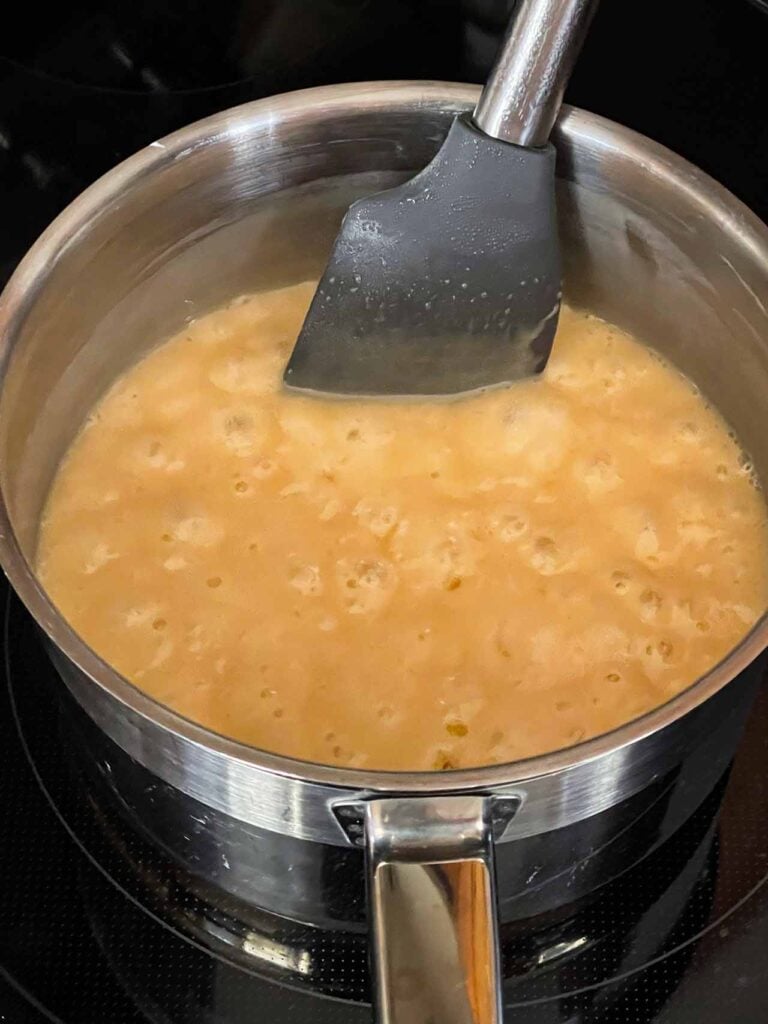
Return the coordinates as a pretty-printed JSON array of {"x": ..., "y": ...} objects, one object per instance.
[{"x": 450, "y": 282}]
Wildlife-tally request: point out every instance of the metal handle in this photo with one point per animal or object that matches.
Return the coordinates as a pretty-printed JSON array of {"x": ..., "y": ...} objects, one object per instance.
[
  {"x": 432, "y": 899},
  {"x": 522, "y": 96}
]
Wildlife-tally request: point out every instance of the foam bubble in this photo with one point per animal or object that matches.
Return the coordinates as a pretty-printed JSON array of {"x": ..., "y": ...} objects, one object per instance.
[
  {"x": 379, "y": 519},
  {"x": 99, "y": 555},
  {"x": 330, "y": 510},
  {"x": 508, "y": 526},
  {"x": 366, "y": 584},
  {"x": 241, "y": 430},
  {"x": 650, "y": 604},
  {"x": 307, "y": 580},
  {"x": 175, "y": 563},
  {"x": 598, "y": 474},
  {"x": 139, "y": 616},
  {"x": 647, "y": 543},
  {"x": 199, "y": 531},
  {"x": 246, "y": 373},
  {"x": 621, "y": 581}
]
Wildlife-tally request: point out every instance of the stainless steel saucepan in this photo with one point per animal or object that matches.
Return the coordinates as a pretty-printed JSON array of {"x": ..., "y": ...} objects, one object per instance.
[{"x": 252, "y": 198}]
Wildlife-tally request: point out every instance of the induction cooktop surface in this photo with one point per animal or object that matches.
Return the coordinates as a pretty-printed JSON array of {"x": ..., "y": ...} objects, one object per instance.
[
  {"x": 96, "y": 925},
  {"x": 99, "y": 925}
]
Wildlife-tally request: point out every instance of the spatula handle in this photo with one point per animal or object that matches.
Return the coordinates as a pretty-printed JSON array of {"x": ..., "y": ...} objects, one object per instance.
[{"x": 522, "y": 96}]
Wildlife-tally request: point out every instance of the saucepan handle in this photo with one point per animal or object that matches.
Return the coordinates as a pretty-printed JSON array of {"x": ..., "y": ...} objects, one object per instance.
[{"x": 432, "y": 901}]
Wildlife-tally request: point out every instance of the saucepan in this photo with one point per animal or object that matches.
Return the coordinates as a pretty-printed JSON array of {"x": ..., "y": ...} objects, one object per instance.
[{"x": 429, "y": 862}]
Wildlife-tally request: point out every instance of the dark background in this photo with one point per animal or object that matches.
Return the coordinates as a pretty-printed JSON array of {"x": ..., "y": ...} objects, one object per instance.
[{"x": 83, "y": 85}]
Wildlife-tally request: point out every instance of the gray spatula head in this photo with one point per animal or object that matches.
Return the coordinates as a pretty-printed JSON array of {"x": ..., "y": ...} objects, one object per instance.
[{"x": 447, "y": 283}]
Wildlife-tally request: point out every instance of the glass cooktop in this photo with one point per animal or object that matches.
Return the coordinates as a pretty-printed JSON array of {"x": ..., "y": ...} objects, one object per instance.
[
  {"x": 84, "y": 84},
  {"x": 96, "y": 927},
  {"x": 99, "y": 926}
]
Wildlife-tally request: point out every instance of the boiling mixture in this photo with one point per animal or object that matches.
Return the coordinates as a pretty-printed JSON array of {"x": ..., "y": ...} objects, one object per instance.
[{"x": 422, "y": 585}]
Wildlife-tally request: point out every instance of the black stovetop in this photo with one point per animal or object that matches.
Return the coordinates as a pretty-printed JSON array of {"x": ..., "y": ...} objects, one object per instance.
[
  {"x": 94, "y": 925},
  {"x": 99, "y": 926},
  {"x": 84, "y": 84}
]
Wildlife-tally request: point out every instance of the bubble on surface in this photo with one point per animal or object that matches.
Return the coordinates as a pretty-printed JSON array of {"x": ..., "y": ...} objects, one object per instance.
[
  {"x": 647, "y": 543},
  {"x": 198, "y": 531},
  {"x": 139, "y": 616},
  {"x": 621, "y": 581},
  {"x": 666, "y": 649},
  {"x": 242, "y": 431},
  {"x": 537, "y": 432},
  {"x": 744, "y": 612},
  {"x": 650, "y": 604},
  {"x": 307, "y": 580},
  {"x": 297, "y": 487},
  {"x": 363, "y": 431},
  {"x": 246, "y": 373},
  {"x": 508, "y": 526},
  {"x": 456, "y": 728},
  {"x": 379, "y": 519},
  {"x": 444, "y": 761},
  {"x": 264, "y": 468},
  {"x": 688, "y": 432},
  {"x": 175, "y": 563},
  {"x": 697, "y": 534},
  {"x": 99, "y": 556},
  {"x": 545, "y": 556},
  {"x": 330, "y": 510},
  {"x": 300, "y": 428},
  {"x": 598, "y": 474},
  {"x": 163, "y": 653},
  {"x": 366, "y": 584}
]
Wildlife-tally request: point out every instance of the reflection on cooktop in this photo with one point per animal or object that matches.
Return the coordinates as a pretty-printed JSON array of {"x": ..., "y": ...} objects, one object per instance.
[{"x": 107, "y": 928}]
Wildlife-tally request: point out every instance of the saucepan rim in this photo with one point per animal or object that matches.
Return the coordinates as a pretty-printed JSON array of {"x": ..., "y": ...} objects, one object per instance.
[{"x": 30, "y": 278}]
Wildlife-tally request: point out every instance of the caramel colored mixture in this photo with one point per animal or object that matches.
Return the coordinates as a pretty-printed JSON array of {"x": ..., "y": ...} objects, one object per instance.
[{"x": 405, "y": 585}]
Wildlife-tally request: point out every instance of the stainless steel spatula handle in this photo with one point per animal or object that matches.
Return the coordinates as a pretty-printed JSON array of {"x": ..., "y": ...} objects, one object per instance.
[{"x": 523, "y": 94}]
